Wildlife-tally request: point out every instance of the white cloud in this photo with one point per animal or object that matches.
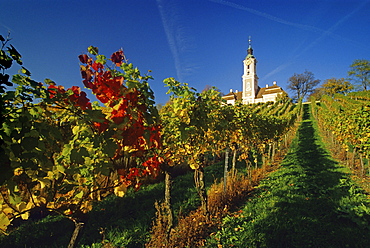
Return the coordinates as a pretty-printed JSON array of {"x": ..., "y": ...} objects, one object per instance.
[{"x": 179, "y": 38}]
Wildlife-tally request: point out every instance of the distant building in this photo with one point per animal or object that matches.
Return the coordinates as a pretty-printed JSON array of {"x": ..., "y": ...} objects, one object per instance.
[{"x": 252, "y": 93}]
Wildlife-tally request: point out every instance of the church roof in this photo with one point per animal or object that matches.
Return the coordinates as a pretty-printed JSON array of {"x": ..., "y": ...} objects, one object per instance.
[
  {"x": 269, "y": 90},
  {"x": 260, "y": 92},
  {"x": 232, "y": 95}
]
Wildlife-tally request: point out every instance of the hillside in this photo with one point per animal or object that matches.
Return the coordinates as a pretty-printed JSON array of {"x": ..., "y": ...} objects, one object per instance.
[{"x": 310, "y": 201}]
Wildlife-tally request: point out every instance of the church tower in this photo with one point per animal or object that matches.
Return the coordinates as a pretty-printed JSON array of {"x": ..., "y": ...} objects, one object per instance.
[{"x": 250, "y": 79}]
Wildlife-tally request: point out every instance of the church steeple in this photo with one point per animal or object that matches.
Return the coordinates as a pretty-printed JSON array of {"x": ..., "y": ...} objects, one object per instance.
[
  {"x": 251, "y": 93},
  {"x": 249, "y": 78}
]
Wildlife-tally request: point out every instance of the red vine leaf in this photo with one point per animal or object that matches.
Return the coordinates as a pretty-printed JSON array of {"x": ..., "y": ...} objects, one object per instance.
[
  {"x": 117, "y": 57},
  {"x": 83, "y": 58}
]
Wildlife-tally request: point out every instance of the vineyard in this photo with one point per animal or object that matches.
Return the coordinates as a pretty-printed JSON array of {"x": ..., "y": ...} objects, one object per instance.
[
  {"x": 121, "y": 173},
  {"x": 310, "y": 201},
  {"x": 344, "y": 120}
]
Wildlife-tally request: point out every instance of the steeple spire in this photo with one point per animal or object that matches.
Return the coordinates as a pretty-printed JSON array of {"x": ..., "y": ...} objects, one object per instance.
[{"x": 250, "y": 49}]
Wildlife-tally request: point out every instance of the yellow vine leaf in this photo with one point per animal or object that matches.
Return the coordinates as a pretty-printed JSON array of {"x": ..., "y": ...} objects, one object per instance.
[
  {"x": 120, "y": 190},
  {"x": 7, "y": 210},
  {"x": 4, "y": 221}
]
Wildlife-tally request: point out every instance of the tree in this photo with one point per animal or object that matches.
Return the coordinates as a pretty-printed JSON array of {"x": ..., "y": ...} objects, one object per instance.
[
  {"x": 333, "y": 85},
  {"x": 208, "y": 87},
  {"x": 317, "y": 93},
  {"x": 360, "y": 72},
  {"x": 302, "y": 84}
]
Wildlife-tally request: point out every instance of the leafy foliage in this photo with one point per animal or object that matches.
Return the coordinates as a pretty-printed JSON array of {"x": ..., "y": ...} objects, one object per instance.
[
  {"x": 333, "y": 86},
  {"x": 65, "y": 152},
  {"x": 346, "y": 120},
  {"x": 360, "y": 72},
  {"x": 199, "y": 125}
]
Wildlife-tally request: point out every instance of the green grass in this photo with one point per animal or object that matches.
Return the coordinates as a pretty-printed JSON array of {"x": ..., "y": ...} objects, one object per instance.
[{"x": 309, "y": 202}]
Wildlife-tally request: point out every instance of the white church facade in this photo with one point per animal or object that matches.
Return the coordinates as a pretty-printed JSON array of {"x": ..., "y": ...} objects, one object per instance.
[{"x": 251, "y": 92}]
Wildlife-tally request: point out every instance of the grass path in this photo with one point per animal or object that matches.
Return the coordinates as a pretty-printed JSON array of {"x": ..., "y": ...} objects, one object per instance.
[{"x": 309, "y": 202}]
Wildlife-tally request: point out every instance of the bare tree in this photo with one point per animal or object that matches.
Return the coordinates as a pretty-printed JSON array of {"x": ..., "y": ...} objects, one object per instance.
[{"x": 302, "y": 84}]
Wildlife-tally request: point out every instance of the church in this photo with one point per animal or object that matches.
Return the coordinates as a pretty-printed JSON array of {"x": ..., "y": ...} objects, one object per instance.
[{"x": 251, "y": 92}]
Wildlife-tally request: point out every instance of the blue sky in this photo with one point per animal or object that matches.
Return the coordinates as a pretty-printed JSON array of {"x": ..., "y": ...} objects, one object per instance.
[{"x": 199, "y": 42}]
